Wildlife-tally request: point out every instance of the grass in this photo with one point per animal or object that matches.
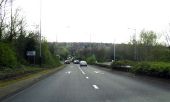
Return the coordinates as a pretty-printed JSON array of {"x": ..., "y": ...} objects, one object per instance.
[
  {"x": 39, "y": 72},
  {"x": 158, "y": 69},
  {"x": 7, "y": 73}
]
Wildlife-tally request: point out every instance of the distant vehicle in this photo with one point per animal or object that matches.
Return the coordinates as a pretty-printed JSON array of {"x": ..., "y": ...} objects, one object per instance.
[
  {"x": 76, "y": 61},
  {"x": 83, "y": 63},
  {"x": 67, "y": 62}
]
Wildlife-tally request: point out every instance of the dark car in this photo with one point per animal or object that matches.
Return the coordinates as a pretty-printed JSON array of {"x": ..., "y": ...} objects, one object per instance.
[{"x": 67, "y": 62}]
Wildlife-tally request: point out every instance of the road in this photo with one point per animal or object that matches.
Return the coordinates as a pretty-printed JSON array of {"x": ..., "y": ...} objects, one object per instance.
[{"x": 91, "y": 84}]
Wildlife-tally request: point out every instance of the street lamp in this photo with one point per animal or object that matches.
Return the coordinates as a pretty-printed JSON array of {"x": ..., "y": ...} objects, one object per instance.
[
  {"x": 40, "y": 33},
  {"x": 114, "y": 52},
  {"x": 135, "y": 45}
]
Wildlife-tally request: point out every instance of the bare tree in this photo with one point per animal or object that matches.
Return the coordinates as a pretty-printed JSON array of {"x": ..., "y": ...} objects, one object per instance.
[
  {"x": 1, "y": 2},
  {"x": 2, "y": 16},
  {"x": 16, "y": 26},
  {"x": 167, "y": 37}
]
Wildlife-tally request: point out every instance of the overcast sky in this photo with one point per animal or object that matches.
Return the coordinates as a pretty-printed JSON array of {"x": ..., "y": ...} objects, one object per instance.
[{"x": 98, "y": 20}]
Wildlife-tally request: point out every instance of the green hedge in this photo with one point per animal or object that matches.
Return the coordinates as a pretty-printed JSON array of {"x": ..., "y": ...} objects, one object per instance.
[
  {"x": 48, "y": 60},
  {"x": 7, "y": 56},
  {"x": 160, "y": 69},
  {"x": 91, "y": 59}
]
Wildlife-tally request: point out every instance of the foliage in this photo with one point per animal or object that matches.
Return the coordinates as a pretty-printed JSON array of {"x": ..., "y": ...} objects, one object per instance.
[
  {"x": 47, "y": 58},
  {"x": 161, "y": 69},
  {"x": 7, "y": 56},
  {"x": 91, "y": 59},
  {"x": 16, "y": 40},
  {"x": 8, "y": 72},
  {"x": 148, "y": 38}
]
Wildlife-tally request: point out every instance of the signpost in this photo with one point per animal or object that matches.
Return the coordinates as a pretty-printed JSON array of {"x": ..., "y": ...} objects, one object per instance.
[{"x": 31, "y": 54}]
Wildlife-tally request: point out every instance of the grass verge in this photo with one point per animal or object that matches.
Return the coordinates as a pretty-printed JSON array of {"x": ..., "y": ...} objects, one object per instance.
[{"x": 13, "y": 85}]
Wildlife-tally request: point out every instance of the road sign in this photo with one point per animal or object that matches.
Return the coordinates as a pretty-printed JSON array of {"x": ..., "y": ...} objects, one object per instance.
[{"x": 31, "y": 53}]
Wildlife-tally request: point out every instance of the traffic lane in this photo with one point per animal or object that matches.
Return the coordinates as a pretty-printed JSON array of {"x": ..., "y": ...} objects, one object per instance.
[
  {"x": 122, "y": 88},
  {"x": 60, "y": 87},
  {"x": 157, "y": 82},
  {"x": 40, "y": 91}
]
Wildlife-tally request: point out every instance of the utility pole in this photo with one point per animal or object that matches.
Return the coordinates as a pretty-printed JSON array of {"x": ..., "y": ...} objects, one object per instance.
[
  {"x": 40, "y": 32},
  {"x": 90, "y": 45},
  {"x": 135, "y": 44},
  {"x": 56, "y": 46},
  {"x": 10, "y": 38},
  {"x": 114, "y": 51}
]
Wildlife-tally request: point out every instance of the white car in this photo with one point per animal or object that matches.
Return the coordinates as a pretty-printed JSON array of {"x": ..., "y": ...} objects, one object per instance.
[{"x": 83, "y": 63}]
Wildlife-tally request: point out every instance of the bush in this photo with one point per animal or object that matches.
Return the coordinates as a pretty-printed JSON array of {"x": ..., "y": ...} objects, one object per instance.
[
  {"x": 160, "y": 69},
  {"x": 141, "y": 67},
  {"x": 48, "y": 60},
  {"x": 91, "y": 59},
  {"x": 7, "y": 56}
]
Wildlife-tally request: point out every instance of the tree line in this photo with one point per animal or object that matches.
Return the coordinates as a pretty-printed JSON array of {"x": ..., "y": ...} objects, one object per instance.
[
  {"x": 147, "y": 48},
  {"x": 16, "y": 41}
]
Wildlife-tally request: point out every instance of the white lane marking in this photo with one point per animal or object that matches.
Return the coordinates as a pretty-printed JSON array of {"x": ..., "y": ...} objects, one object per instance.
[
  {"x": 82, "y": 71},
  {"x": 95, "y": 87},
  {"x": 69, "y": 72},
  {"x": 99, "y": 72},
  {"x": 87, "y": 77},
  {"x": 96, "y": 71}
]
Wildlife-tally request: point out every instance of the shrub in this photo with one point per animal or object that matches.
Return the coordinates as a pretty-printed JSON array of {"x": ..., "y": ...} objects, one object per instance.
[
  {"x": 160, "y": 69},
  {"x": 91, "y": 59},
  {"x": 48, "y": 60},
  {"x": 7, "y": 56},
  {"x": 141, "y": 67}
]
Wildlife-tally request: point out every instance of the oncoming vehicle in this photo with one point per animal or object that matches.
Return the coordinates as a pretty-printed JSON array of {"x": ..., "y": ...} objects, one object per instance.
[
  {"x": 76, "y": 62},
  {"x": 67, "y": 62},
  {"x": 83, "y": 63}
]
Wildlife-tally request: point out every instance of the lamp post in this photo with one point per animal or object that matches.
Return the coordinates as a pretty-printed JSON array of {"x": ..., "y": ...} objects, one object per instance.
[
  {"x": 11, "y": 19},
  {"x": 114, "y": 51},
  {"x": 40, "y": 33},
  {"x": 135, "y": 45}
]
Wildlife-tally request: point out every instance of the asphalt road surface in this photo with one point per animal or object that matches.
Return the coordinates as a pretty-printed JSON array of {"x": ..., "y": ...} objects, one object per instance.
[{"x": 91, "y": 84}]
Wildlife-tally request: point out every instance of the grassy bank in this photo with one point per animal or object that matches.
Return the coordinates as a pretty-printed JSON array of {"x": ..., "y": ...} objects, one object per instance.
[
  {"x": 23, "y": 74},
  {"x": 12, "y": 73},
  {"x": 158, "y": 69}
]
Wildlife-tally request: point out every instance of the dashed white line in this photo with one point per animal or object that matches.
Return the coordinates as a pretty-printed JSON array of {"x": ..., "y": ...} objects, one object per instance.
[
  {"x": 87, "y": 77},
  {"x": 69, "y": 72},
  {"x": 82, "y": 71},
  {"x": 98, "y": 72},
  {"x": 95, "y": 87}
]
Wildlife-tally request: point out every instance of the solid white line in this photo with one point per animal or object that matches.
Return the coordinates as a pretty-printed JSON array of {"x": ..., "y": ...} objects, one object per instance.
[
  {"x": 95, "y": 87},
  {"x": 82, "y": 71},
  {"x": 87, "y": 77}
]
